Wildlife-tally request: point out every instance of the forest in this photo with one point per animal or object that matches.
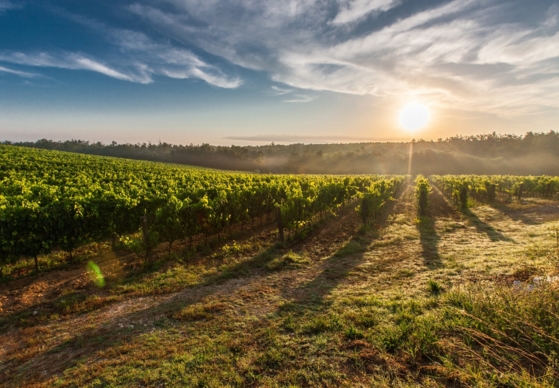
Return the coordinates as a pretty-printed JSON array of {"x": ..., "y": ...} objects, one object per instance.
[{"x": 530, "y": 154}]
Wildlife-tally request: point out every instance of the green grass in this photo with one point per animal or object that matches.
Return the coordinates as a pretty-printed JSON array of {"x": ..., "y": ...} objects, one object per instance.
[
  {"x": 389, "y": 305},
  {"x": 290, "y": 260},
  {"x": 434, "y": 287}
]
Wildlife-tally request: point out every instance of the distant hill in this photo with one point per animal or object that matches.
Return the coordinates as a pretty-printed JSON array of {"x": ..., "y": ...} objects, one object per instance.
[{"x": 530, "y": 154}]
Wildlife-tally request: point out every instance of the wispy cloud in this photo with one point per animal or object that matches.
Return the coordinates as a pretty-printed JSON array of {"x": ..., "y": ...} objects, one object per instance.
[
  {"x": 299, "y": 98},
  {"x": 552, "y": 20},
  {"x": 352, "y": 10},
  {"x": 23, "y": 74},
  {"x": 278, "y": 91},
  {"x": 164, "y": 59},
  {"x": 89, "y": 64},
  {"x": 137, "y": 58},
  {"x": 71, "y": 61},
  {"x": 491, "y": 56},
  {"x": 294, "y": 97},
  {"x": 484, "y": 55}
]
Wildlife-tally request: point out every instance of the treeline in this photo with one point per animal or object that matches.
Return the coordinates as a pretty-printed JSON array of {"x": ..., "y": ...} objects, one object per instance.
[
  {"x": 205, "y": 155},
  {"x": 530, "y": 154}
]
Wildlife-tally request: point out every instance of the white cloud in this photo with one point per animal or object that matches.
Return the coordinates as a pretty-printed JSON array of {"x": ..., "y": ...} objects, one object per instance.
[
  {"x": 89, "y": 64},
  {"x": 520, "y": 48},
  {"x": 23, "y": 74},
  {"x": 299, "y": 98},
  {"x": 169, "y": 61},
  {"x": 353, "y": 10},
  {"x": 552, "y": 20},
  {"x": 217, "y": 79},
  {"x": 72, "y": 61},
  {"x": 487, "y": 55},
  {"x": 468, "y": 53},
  {"x": 277, "y": 91},
  {"x": 138, "y": 59},
  {"x": 246, "y": 32},
  {"x": 295, "y": 97}
]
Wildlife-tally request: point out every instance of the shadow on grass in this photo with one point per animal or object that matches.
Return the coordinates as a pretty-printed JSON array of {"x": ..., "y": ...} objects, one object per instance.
[
  {"x": 529, "y": 216},
  {"x": 117, "y": 331},
  {"x": 428, "y": 236},
  {"x": 335, "y": 269},
  {"x": 124, "y": 327},
  {"x": 429, "y": 240},
  {"x": 85, "y": 300},
  {"x": 484, "y": 228},
  {"x": 338, "y": 266}
]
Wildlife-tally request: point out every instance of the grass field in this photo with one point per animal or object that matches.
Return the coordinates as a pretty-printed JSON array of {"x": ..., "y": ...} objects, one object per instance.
[{"x": 409, "y": 301}]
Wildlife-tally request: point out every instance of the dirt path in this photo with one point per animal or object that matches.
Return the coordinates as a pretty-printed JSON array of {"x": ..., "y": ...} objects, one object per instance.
[{"x": 24, "y": 293}]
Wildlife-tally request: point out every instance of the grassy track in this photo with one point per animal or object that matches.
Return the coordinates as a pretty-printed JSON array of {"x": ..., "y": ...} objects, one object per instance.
[{"x": 348, "y": 306}]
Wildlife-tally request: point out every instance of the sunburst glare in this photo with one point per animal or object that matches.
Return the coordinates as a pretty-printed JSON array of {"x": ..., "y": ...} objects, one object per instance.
[{"x": 414, "y": 116}]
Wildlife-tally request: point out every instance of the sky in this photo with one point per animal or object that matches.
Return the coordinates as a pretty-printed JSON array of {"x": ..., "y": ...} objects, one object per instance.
[{"x": 256, "y": 71}]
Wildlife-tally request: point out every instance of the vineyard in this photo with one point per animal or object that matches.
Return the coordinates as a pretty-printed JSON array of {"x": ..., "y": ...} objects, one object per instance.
[
  {"x": 486, "y": 188},
  {"x": 60, "y": 201},
  {"x": 179, "y": 276}
]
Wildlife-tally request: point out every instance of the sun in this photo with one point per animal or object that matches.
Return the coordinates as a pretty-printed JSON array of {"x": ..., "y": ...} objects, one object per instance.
[{"x": 414, "y": 116}]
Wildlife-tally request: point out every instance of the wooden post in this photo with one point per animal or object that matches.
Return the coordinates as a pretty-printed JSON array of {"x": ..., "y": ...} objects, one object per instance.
[
  {"x": 280, "y": 224},
  {"x": 144, "y": 222}
]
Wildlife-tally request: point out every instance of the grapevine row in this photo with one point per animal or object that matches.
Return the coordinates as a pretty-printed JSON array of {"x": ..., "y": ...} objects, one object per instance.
[
  {"x": 422, "y": 191},
  {"x": 486, "y": 188},
  {"x": 53, "y": 200}
]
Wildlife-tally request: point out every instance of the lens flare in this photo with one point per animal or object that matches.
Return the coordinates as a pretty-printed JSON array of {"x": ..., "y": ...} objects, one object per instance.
[
  {"x": 414, "y": 116},
  {"x": 95, "y": 274}
]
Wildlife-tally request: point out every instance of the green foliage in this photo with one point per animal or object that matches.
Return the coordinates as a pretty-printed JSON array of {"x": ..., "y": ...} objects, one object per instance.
[
  {"x": 168, "y": 224},
  {"x": 486, "y": 188},
  {"x": 235, "y": 248},
  {"x": 353, "y": 333},
  {"x": 322, "y": 323},
  {"x": 290, "y": 260},
  {"x": 375, "y": 197},
  {"x": 133, "y": 244},
  {"x": 422, "y": 191},
  {"x": 457, "y": 187},
  {"x": 506, "y": 335},
  {"x": 53, "y": 200},
  {"x": 434, "y": 286}
]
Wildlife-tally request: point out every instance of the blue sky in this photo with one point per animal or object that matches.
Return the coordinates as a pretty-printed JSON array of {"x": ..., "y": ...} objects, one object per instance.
[{"x": 252, "y": 71}]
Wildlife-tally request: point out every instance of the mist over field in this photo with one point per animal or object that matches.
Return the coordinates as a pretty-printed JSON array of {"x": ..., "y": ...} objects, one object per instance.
[{"x": 531, "y": 154}]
